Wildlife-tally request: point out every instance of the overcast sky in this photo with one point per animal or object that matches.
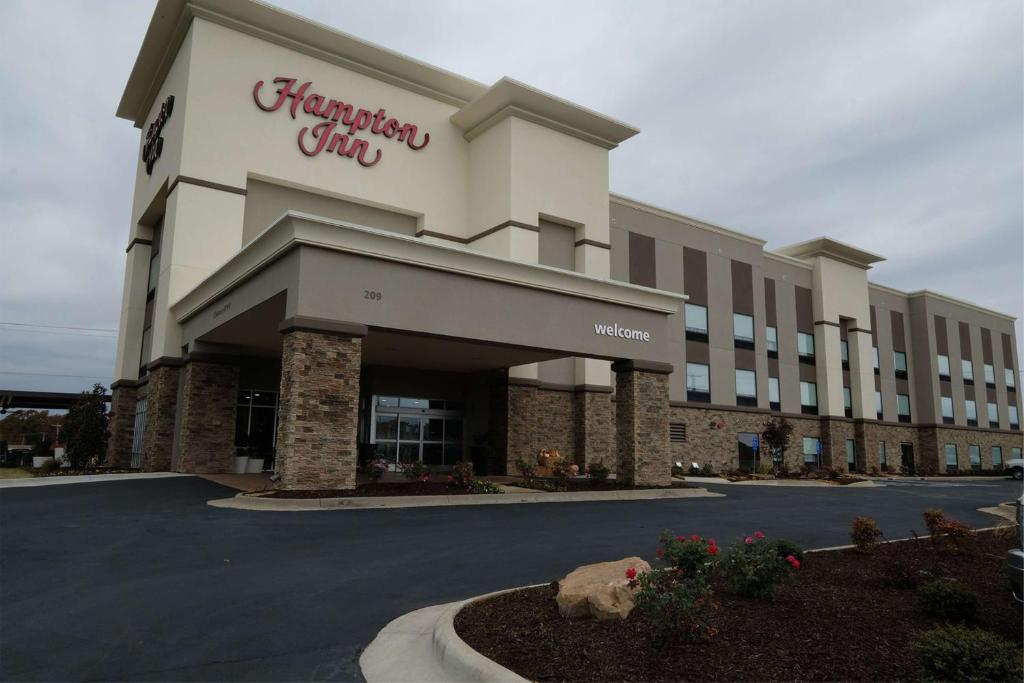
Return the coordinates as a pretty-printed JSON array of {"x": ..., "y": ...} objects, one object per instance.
[{"x": 894, "y": 126}]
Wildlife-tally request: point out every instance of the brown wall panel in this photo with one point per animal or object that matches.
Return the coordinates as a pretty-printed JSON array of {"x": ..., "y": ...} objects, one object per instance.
[
  {"x": 986, "y": 345},
  {"x": 771, "y": 319},
  {"x": 874, "y": 327},
  {"x": 1008, "y": 351},
  {"x": 697, "y": 352},
  {"x": 742, "y": 288},
  {"x": 804, "y": 310},
  {"x": 899, "y": 337},
  {"x": 965, "y": 341},
  {"x": 695, "y": 275},
  {"x": 746, "y": 359},
  {"x": 641, "y": 260},
  {"x": 941, "y": 336}
]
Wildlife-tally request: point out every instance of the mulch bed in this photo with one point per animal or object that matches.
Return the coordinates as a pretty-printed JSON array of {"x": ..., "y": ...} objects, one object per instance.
[
  {"x": 65, "y": 472},
  {"x": 838, "y": 619},
  {"x": 588, "y": 484},
  {"x": 417, "y": 488}
]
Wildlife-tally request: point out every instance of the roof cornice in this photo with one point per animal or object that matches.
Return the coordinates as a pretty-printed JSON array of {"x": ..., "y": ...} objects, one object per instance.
[
  {"x": 826, "y": 247},
  {"x": 681, "y": 218}
]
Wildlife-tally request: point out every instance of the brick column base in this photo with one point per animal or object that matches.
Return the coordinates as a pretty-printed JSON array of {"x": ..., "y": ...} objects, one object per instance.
[
  {"x": 521, "y": 425},
  {"x": 318, "y": 410},
  {"x": 206, "y": 437},
  {"x": 161, "y": 406},
  {"x": 123, "y": 396},
  {"x": 641, "y": 422},
  {"x": 594, "y": 426}
]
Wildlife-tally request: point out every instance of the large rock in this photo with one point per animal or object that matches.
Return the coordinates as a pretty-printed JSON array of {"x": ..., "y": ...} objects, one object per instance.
[{"x": 599, "y": 590}]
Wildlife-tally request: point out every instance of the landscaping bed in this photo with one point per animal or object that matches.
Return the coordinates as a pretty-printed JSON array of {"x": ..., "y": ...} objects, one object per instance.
[
  {"x": 843, "y": 615},
  {"x": 416, "y": 488},
  {"x": 553, "y": 484}
]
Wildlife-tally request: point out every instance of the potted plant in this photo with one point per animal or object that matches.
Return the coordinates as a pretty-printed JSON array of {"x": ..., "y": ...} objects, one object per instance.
[
  {"x": 241, "y": 460},
  {"x": 255, "y": 464}
]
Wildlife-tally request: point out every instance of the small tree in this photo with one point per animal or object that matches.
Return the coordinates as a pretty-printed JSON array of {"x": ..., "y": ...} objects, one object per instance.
[
  {"x": 777, "y": 435},
  {"x": 85, "y": 428}
]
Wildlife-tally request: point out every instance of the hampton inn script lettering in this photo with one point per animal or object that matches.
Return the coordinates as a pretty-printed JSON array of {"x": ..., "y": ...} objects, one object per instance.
[{"x": 327, "y": 136}]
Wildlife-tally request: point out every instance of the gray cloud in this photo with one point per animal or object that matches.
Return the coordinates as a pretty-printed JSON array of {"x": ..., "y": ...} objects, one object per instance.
[{"x": 895, "y": 126}]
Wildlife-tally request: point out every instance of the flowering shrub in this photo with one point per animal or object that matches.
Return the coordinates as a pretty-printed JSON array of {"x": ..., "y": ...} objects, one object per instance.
[
  {"x": 693, "y": 555},
  {"x": 754, "y": 567},
  {"x": 480, "y": 486},
  {"x": 525, "y": 468},
  {"x": 564, "y": 470},
  {"x": 953, "y": 535},
  {"x": 948, "y": 599},
  {"x": 375, "y": 468},
  {"x": 416, "y": 470},
  {"x": 865, "y": 534},
  {"x": 597, "y": 472},
  {"x": 678, "y": 605},
  {"x": 932, "y": 519},
  {"x": 462, "y": 474},
  {"x": 786, "y": 548}
]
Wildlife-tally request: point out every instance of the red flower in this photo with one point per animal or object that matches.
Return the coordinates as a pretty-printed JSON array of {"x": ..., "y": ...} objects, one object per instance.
[
  {"x": 712, "y": 541},
  {"x": 713, "y": 549},
  {"x": 695, "y": 538},
  {"x": 659, "y": 552},
  {"x": 681, "y": 539},
  {"x": 631, "y": 573},
  {"x": 748, "y": 540},
  {"x": 795, "y": 563},
  {"x": 758, "y": 535}
]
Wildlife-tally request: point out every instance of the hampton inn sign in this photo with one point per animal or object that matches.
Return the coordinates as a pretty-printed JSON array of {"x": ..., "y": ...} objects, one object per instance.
[{"x": 313, "y": 140}]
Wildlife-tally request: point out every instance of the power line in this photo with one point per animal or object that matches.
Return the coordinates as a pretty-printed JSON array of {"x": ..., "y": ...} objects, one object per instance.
[
  {"x": 51, "y": 374},
  {"x": 59, "y": 327},
  {"x": 60, "y": 334}
]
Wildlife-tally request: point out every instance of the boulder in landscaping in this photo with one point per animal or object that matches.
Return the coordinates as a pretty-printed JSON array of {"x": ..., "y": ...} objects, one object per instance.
[{"x": 599, "y": 590}]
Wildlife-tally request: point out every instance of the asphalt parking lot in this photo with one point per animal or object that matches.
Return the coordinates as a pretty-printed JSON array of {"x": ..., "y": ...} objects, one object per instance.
[{"x": 141, "y": 580}]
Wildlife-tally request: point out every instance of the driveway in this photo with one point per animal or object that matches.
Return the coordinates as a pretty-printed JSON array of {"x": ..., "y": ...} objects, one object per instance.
[{"x": 142, "y": 580}]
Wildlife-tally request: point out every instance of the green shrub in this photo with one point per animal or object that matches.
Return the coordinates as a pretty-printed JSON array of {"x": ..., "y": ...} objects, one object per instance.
[
  {"x": 598, "y": 472},
  {"x": 956, "y": 653},
  {"x": 462, "y": 474},
  {"x": 525, "y": 468},
  {"x": 481, "y": 486},
  {"x": 677, "y": 605},
  {"x": 753, "y": 567},
  {"x": 865, "y": 534},
  {"x": 693, "y": 556},
  {"x": 416, "y": 470},
  {"x": 947, "y": 599},
  {"x": 785, "y": 548}
]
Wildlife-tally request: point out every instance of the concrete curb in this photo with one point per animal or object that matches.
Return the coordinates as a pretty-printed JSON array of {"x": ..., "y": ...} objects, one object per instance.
[
  {"x": 259, "y": 503},
  {"x": 423, "y": 646},
  {"x": 819, "y": 483},
  {"x": 85, "y": 479}
]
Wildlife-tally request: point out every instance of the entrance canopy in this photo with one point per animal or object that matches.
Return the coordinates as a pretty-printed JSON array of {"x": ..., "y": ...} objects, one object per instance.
[{"x": 418, "y": 303}]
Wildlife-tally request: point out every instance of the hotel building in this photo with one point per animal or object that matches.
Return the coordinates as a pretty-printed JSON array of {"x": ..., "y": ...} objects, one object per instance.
[{"x": 336, "y": 251}]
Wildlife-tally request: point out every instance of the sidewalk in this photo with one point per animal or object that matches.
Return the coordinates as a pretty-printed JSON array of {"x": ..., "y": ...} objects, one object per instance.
[{"x": 85, "y": 479}]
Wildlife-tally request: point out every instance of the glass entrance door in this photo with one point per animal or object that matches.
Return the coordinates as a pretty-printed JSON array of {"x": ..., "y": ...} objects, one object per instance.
[{"x": 407, "y": 429}]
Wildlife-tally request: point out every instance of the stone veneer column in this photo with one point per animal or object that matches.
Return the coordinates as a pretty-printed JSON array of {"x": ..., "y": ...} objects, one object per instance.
[
  {"x": 594, "y": 427},
  {"x": 123, "y": 395},
  {"x": 641, "y": 422},
  {"x": 521, "y": 423},
  {"x": 161, "y": 407},
  {"x": 206, "y": 437},
  {"x": 318, "y": 409}
]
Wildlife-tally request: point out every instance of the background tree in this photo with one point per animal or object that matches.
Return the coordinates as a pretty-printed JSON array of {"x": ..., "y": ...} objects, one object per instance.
[
  {"x": 29, "y": 427},
  {"x": 85, "y": 428},
  {"x": 777, "y": 435}
]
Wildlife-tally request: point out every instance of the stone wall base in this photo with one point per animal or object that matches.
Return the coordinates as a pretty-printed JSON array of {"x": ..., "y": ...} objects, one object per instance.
[
  {"x": 161, "y": 412},
  {"x": 121, "y": 425},
  {"x": 206, "y": 436}
]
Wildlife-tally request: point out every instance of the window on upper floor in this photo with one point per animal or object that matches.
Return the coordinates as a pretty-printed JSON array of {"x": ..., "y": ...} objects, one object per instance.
[
  {"x": 774, "y": 400},
  {"x": 847, "y": 402},
  {"x": 947, "y": 409},
  {"x": 943, "y": 367},
  {"x": 903, "y": 407},
  {"x": 773, "y": 341},
  {"x": 878, "y": 404},
  {"x": 967, "y": 368},
  {"x": 844, "y": 353},
  {"x": 743, "y": 330},
  {"x": 899, "y": 361},
  {"x": 805, "y": 346},
  {"x": 993, "y": 415},
  {"x": 698, "y": 382},
  {"x": 971, "y": 411},
  {"x": 696, "y": 322},
  {"x": 874, "y": 354},
  {"x": 1014, "y": 418},
  {"x": 990, "y": 375},
  {"x": 809, "y": 398},
  {"x": 746, "y": 388},
  {"x": 1010, "y": 380}
]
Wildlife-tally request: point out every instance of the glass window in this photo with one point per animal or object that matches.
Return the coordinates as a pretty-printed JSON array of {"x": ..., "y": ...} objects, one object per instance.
[
  {"x": 881, "y": 454},
  {"x": 874, "y": 354},
  {"x": 943, "y": 366},
  {"x": 899, "y": 360},
  {"x": 419, "y": 403},
  {"x": 812, "y": 450},
  {"x": 975, "y": 455},
  {"x": 971, "y": 408},
  {"x": 387, "y": 427},
  {"x": 773, "y": 338},
  {"x": 409, "y": 428},
  {"x": 851, "y": 454},
  {"x": 433, "y": 429},
  {"x": 990, "y": 374},
  {"x": 847, "y": 398},
  {"x": 1014, "y": 420},
  {"x": 903, "y": 404},
  {"x": 433, "y": 453},
  {"x": 878, "y": 402},
  {"x": 696, "y": 318},
  {"x": 1015, "y": 453},
  {"x": 743, "y": 327},
  {"x": 805, "y": 344},
  {"x": 967, "y": 367},
  {"x": 1008, "y": 373},
  {"x": 947, "y": 407},
  {"x": 698, "y": 378},
  {"x": 808, "y": 394},
  {"x": 746, "y": 383},
  {"x": 844, "y": 350},
  {"x": 773, "y": 390},
  {"x": 993, "y": 413},
  {"x": 997, "y": 458},
  {"x": 453, "y": 430},
  {"x": 951, "y": 464},
  {"x": 387, "y": 401}
]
